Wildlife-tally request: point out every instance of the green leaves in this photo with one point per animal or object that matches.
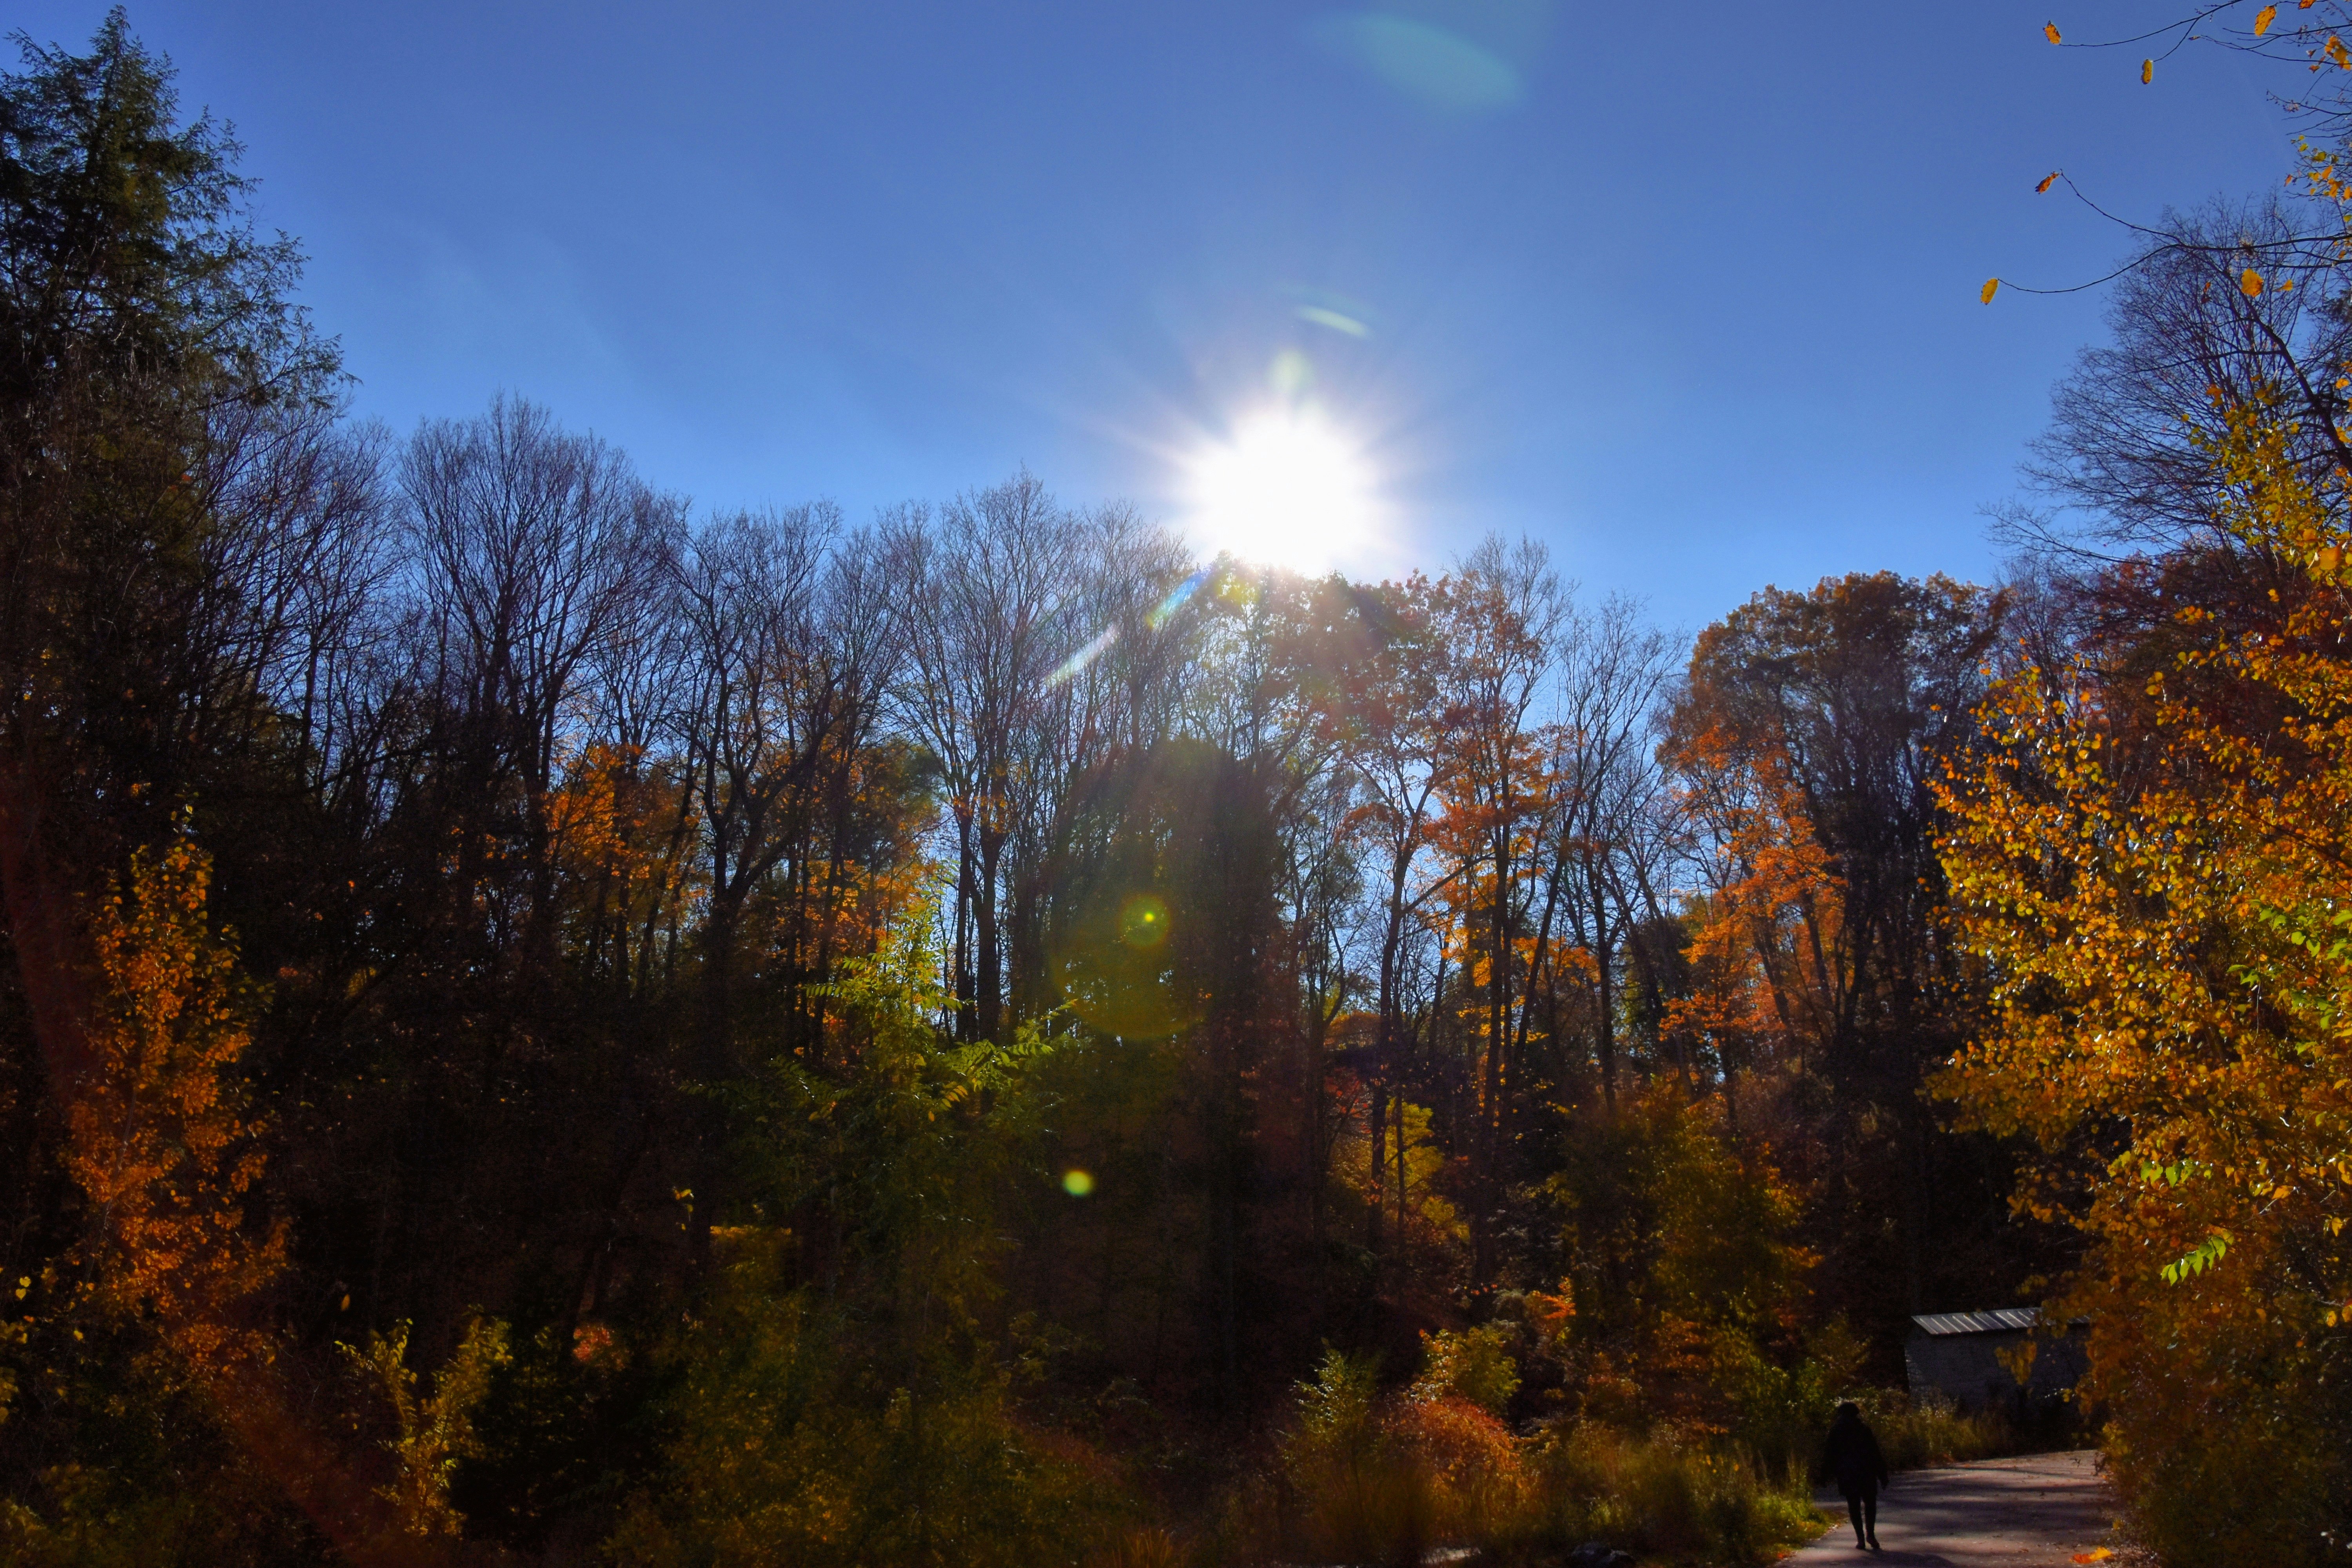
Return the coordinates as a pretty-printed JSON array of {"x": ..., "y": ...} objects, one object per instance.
[{"x": 2207, "y": 1255}]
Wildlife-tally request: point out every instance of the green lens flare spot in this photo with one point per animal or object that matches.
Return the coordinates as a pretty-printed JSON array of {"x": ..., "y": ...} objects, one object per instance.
[
  {"x": 1143, "y": 922},
  {"x": 1077, "y": 1183}
]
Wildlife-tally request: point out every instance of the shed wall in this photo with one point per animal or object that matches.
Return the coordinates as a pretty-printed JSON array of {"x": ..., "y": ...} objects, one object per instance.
[{"x": 1966, "y": 1368}]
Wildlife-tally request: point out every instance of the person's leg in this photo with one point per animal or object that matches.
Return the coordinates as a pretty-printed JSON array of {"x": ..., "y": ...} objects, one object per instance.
[
  {"x": 1870, "y": 1512},
  {"x": 1854, "y": 1511}
]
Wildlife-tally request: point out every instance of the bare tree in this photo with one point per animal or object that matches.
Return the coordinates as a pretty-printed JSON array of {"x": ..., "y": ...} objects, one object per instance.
[
  {"x": 2132, "y": 430},
  {"x": 1501, "y": 616},
  {"x": 982, "y": 591},
  {"x": 1133, "y": 634},
  {"x": 1605, "y": 783},
  {"x": 532, "y": 551}
]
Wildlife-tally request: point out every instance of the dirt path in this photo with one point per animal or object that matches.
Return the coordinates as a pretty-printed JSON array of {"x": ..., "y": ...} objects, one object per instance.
[{"x": 2036, "y": 1511}]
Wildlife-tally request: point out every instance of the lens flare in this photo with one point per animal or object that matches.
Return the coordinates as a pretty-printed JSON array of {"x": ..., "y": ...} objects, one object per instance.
[
  {"x": 1289, "y": 489},
  {"x": 1077, "y": 1183},
  {"x": 1166, "y": 609},
  {"x": 1143, "y": 922},
  {"x": 1070, "y": 666}
]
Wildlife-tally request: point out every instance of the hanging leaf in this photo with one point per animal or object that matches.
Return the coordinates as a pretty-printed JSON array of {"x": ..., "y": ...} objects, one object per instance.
[
  {"x": 2249, "y": 283},
  {"x": 2263, "y": 18},
  {"x": 2146, "y": 72},
  {"x": 2050, "y": 31},
  {"x": 1990, "y": 284},
  {"x": 2339, "y": 53},
  {"x": 2046, "y": 182}
]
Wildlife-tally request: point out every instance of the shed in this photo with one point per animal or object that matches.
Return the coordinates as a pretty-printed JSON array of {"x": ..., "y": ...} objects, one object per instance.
[{"x": 1957, "y": 1355}]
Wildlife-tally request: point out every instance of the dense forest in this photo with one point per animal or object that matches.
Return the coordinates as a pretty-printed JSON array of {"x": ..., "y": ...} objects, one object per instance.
[{"x": 539, "y": 1024}]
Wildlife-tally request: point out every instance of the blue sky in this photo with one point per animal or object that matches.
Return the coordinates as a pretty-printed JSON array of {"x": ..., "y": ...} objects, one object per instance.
[{"x": 1690, "y": 293}]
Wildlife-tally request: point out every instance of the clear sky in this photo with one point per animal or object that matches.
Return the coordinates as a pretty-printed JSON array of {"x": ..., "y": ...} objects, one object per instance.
[{"x": 1689, "y": 292}]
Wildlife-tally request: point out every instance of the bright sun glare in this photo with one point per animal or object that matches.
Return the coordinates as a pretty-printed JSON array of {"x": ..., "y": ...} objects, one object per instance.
[{"x": 1288, "y": 489}]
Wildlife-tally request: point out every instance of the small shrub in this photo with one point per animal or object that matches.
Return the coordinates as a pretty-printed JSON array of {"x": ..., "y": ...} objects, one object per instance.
[
  {"x": 1365, "y": 1495},
  {"x": 1474, "y": 1364},
  {"x": 785, "y": 1446}
]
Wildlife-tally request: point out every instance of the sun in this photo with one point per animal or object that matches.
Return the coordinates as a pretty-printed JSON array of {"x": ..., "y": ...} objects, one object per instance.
[{"x": 1288, "y": 489}]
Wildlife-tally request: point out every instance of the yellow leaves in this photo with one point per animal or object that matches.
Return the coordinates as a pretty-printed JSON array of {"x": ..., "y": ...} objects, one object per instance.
[
  {"x": 2047, "y": 181},
  {"x": 2165, "y": 940},
  {"x": 2146, "y": 72},
  {"x": 2249, "y": 283},
  {"x": 1991, "y": 286},
  {"x": 436, "y": 1430},
  {"x": 2050, "y": 31},
  {"x": 2337, "y": 51},
  {"x": 2263, "y": 18}
]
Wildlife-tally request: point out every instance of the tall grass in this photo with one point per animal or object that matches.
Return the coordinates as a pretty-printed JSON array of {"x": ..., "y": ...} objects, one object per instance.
[
  {"x": 1660, "y": 1496},
  {"x": 1374, "y": 1481},
  {"x": 1913, "y": 1434},
  {"x": 1369, "y": 1477}
]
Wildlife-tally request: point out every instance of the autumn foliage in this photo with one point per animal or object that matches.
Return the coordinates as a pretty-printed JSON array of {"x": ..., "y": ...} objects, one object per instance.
[
  {"x": 2155, "y": 879},
  {"x": 160, "y": 1137}
]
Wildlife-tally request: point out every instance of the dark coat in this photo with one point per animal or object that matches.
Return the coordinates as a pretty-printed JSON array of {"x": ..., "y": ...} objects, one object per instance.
[{"x": 1851, "y": 1458}]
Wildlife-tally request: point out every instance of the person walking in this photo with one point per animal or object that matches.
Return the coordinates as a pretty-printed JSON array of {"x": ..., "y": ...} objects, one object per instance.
[{"x": 1853, "y": 1461}]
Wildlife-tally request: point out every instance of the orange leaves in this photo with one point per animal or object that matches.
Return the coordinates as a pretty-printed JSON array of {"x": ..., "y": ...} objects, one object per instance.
[
  {"x": 1774, "y": 903},
  {"x": 2050, "y": 31},
  {"x": 2249, "y": 283},
  {"x": 2263, "y": 18},
  {"x": 2146, "y": 72},
  {"x": 157, "y": 1136},
  {"x": 1992, "y": 287},
  {"x": 2337, "y": 51},
  {"x": 2048, "y": 179}
]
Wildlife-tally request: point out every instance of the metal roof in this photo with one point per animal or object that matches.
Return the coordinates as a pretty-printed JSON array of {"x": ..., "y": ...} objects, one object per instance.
[{"x": 1996, "y": 1321}]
